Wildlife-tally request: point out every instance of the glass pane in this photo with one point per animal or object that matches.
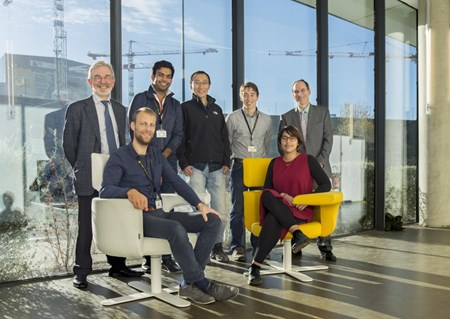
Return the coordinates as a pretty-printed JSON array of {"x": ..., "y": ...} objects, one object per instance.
[
  {"x": 44, "y": 65},
  {"x": 401, "y": 111},
  {"x": 351, "y": 47},
  {"x": 149, "y": 35},
  {"x": 280, "y": 48}
]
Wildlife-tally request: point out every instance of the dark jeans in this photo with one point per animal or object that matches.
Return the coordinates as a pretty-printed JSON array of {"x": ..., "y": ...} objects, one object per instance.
[
  {"x": 174, "y": 227},
  {"x": 237, "y": 202},
  {"x": 83, "y": 259}
]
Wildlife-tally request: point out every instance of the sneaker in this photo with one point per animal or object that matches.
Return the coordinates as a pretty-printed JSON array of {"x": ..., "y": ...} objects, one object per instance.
[
  {"x": 238, "y": 254},
  {"x": 146, "y": 267},
  {"x": 254, "y": 277},
  {"x": 299, "y": 241},
  {"x": 218, "y": 254},
  {"x": 169, "y": 265},
  {"x": 221, "y": 292},
  {"x": 329, "y": 256},
  {"x": 195, "y": 294}
]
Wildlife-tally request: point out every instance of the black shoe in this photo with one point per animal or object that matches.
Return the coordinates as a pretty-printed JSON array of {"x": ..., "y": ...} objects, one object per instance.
[
  {"x": 125, "y": 272},
  {"x": 299, "y": 241},
  {"x": 219, "y": 255},
  {"x": 329, "y": 256},
  {"x": 146, "y": 267},
  {"x": 80, "y": 282},
  {"x": 298, "y": 254},
  {"x": 169, "y": 265},
  {"x": 254, "y": 276}
]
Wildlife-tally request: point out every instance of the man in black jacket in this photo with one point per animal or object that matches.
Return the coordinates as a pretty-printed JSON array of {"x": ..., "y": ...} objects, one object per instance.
[{"x": 204, "y": 155}]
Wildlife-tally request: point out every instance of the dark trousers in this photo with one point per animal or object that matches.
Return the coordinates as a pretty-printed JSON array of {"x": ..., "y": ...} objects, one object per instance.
[
  {"x": 278, "y": 217},
  {"x": 83, "y": 259}
]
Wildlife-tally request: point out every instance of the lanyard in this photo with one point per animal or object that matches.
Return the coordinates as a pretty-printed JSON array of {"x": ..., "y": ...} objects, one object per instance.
[
  {"x": 158, "y": 110},
  {"x": 248, "y": 125},
  {"x": 147, "y": 173}
]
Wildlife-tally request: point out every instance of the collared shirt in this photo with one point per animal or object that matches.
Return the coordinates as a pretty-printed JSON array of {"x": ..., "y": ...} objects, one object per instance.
[
  {"x": 303, "y": 112},
  {"x": 241, "y": 138},
  {"x": 100, "y": 108},
  {"x": 124, "y": 172}
]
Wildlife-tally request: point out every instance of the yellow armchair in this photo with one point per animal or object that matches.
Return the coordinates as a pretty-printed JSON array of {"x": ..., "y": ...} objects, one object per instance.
[{"x": 323, "y": 223}]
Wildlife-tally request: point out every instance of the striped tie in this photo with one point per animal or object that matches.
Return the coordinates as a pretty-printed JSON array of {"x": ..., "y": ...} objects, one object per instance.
[
  {"x": 110, "y": 136},
  {"x": 303, "y": 123}
]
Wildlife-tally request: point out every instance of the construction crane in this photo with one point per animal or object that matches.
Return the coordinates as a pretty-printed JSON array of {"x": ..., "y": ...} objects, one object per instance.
[
  {"x": 332, "y": 55},
  {"x": 60, "y": 50},
  {"x": 130, "y": 66}
]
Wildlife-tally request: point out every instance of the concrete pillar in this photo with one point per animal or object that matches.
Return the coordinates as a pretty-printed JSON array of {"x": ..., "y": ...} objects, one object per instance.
[{"x": 439, "y": 118}]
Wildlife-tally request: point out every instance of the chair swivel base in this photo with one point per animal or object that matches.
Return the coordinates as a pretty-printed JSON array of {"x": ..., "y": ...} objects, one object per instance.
[
  {"x": 146, "y": 292},
  {"x": 287, "y": 268}
]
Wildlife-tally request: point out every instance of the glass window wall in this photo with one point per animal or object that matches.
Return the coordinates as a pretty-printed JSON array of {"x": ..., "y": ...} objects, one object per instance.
[
  {"x": 351, "y": 58},
  {"x": 44, "y": 49},
  {"x": 401, "y": 111}
]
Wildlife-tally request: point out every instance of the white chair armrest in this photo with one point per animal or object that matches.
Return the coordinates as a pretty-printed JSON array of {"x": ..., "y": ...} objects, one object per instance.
[
  {"x": 172, "y": 200},
  {"x": 117, "y": 227}
]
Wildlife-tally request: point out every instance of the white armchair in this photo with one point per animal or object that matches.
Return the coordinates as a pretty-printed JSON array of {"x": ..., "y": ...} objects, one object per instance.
[{"x": 118, "y": 231}]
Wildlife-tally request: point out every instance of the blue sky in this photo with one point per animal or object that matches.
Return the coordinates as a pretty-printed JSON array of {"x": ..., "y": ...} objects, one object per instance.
[{"x": 156, "y": 25}]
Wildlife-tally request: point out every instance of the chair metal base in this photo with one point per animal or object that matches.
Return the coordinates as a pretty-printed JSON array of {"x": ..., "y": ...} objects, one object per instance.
[
  {"x": 287, "y": 268},
  {"x": 154, "y": 289}
]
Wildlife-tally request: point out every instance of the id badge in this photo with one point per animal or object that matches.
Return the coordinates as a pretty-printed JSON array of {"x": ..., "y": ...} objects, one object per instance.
[
  {"x": 252, "y": 149},
  {"x": 158, "y": 204},
  {"x": 161, "y": 133}
]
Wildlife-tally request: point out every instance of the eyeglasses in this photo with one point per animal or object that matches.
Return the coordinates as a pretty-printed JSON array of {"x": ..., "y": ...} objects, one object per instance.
[
  {"x": 106, "y": 78},
  {"x": 284, "y": 139},
  {"x": 203, "y": 83}
]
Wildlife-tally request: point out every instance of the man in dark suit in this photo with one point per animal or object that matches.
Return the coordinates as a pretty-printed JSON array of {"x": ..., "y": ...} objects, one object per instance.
[
  {"x": 96, "y": 124},
  {"x": 314, "y": 123}
]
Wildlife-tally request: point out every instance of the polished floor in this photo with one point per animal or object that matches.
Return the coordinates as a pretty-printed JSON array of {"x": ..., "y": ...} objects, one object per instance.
[{"x": 378, "y": 275}]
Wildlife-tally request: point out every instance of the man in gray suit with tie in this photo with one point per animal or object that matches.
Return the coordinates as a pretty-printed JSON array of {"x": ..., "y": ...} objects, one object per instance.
[
  {"x": 314, "y": 123},
  {"x": 93, "y": 125}
]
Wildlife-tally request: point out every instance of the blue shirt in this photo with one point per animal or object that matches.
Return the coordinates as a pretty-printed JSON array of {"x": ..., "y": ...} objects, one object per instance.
[{"x": 123, "y": 171}]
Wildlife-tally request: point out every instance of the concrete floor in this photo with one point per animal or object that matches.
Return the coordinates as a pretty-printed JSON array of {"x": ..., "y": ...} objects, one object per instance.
[{"x": 378, "y": 275}]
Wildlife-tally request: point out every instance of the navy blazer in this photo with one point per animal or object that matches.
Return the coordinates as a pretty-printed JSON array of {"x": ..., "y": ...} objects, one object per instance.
[{"x": 81, "y": 138}]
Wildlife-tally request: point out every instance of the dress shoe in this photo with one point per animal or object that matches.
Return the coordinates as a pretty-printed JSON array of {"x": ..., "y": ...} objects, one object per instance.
[
  {"x": 169, "y": 265},
  {"x": 254, "y": 276},
  {"x": 125, "y": 272},
  {"x": 80, "y": 282},
  {"x": 299, "y": 241},
  {"x": 329, "y": 256}
]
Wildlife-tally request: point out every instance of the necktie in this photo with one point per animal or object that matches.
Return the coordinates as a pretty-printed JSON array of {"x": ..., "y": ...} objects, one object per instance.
[
  {"x": 109, "y": 130},
  {"x": 303, "y": 123}
]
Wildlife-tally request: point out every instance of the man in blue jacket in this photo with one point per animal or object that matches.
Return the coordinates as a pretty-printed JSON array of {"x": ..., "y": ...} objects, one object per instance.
[
  {"x": 134, "y": 171},
  {"x": 169, "y": 130}
]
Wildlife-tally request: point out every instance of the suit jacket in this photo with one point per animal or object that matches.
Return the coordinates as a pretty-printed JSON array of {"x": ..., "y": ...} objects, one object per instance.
[
  {"x": 319, "y": 134},
  {"x": 81, "y": 138}
]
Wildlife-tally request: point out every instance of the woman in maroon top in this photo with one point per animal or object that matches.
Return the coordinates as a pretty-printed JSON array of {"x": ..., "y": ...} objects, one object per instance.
[{"x": 289, "y": 175}]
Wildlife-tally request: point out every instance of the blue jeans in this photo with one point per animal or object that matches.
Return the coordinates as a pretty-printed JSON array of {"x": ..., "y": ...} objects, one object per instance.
[
  {"x": 215, "y": 183},
  {"x": 174, "y": 227},
  {"x": 237, "y": 202}
]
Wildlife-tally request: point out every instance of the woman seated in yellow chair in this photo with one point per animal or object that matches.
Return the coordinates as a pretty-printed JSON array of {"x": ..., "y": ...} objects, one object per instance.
[{"x": 289, "y": 175}]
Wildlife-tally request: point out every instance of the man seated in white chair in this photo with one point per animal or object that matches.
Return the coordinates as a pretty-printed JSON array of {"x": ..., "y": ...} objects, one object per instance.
[{"x": 134, "y": 171}]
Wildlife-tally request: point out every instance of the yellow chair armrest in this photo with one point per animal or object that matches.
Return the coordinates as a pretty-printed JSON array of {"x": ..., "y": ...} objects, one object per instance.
[{"x": 318, "y": 199}]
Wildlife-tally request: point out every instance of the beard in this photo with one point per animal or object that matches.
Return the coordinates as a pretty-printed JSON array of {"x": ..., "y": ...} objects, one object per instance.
[{"x": 139, "y": 138}]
